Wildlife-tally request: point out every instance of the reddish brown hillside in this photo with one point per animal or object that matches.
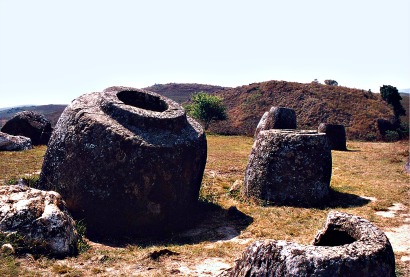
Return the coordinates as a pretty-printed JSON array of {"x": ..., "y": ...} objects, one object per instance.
[
  {"x": 182, "y": 92},
  {"x": 357, "y": 109}
]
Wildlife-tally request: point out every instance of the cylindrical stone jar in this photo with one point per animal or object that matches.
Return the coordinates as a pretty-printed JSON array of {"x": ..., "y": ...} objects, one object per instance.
[
  {"x": 289, "y": 167},
  {"x": 336, "y": 134},
  {"x": 128, "y": 161}
]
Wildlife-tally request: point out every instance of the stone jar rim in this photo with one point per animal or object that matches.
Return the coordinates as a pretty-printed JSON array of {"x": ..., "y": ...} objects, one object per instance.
[{"x": 142, "y": 108}]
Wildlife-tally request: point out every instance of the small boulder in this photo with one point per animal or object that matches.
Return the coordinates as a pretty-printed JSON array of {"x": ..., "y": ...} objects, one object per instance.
[
  {"x": 336, "y": 135},
  {"x": 29, "y": 124},
  {"x": 39, "y": 218},
  {"x": 288, "y": 167},
  {"x": 277, "y": 118},
  {"x": 347, "y": 246},
  {"x": 14, "y": 143}
]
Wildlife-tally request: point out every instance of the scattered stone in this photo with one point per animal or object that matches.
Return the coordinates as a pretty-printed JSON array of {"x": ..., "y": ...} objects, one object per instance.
[
  {"x": 336, "y": 135},
  {"x": 7, "y": 249},
  {"x": 128, "y": 161},
  {"x": 39, "y": 218},
  {"x": 289, "y": 168},
  {"x": 347, "y": 246},
  {"x": 29, "y": 124},
  {"x": 14, "y": 143},
  {"x": 407, "y": 165},
  {"x": 236, "y": 186},
  {"x": 277, "y": 118}
]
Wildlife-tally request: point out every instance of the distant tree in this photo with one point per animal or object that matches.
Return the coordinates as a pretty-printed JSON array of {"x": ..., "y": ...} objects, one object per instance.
[
  {"x": 315, "y": 81},
  {"x": 206, "y": 108},
  {"x": 391, "y": 95},
  {"x": 331, "y": 82}
]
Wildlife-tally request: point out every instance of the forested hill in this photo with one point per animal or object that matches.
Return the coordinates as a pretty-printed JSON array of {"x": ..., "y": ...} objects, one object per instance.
[{"x": 314, "y": 103}]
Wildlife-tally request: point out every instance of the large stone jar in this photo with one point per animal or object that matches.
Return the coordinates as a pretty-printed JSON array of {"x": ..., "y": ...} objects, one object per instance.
[
  {"x": 289, "y": 167},
  {"x": 128, "y": 161}
]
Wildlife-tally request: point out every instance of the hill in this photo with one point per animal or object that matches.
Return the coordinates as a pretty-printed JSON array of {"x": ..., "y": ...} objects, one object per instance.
[
  {"x": 51, "y": 112},
  {"x": 406, "y": 104},
  {"x": 314, "y": 103},
  {"x": 182, "y": 92}
]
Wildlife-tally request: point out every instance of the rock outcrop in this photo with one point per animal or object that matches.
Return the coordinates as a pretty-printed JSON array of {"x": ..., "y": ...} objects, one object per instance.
[
  {"x": 288, "y": 167},
  {"x": 347, "y": 246},
  {"x": 39, "y": 219},
  {"x": 277, "y": 118},
  {"x": 128, "y": 161},
  {"x": 336, "y": 135},
  {"x": 29, "y": 124},
  {"x": 14, "y": 143}
]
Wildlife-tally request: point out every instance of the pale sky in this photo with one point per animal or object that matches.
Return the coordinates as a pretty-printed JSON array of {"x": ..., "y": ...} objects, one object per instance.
[{"x": 54, "y": 51}]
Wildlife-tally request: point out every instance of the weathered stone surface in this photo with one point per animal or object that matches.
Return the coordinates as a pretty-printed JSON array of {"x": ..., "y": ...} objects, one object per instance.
[
  {"x": 288, "y": 167},
  {"x": 277, "y": 118},
  {"x": 407, "y": 165},
  {"x": 14, "y": 143},
  {"x": 336, "y": 135},
  {"x": 29, "y": 124},
  {"x": 40, "y": 217},
  {"x": 128, "y": 161},
  {"x": 347, "y": 246}
]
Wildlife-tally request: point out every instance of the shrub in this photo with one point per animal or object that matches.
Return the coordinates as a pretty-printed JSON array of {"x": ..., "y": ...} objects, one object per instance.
[
  {"x": 206, "y": 108},
  {"x": 391, "y": 136},
  {"x": 331, "y": 82}
]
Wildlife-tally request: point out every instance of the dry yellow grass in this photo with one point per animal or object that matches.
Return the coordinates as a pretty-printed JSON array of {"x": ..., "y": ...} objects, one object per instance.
[{"x": 368, "y": 169}]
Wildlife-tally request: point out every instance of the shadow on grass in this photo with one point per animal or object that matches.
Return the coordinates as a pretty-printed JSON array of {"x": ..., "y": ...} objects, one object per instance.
[
  {"x": 336, "y": 199},
  {"x": 339, "y": 199},
  {"x": 209, "y": 223}
]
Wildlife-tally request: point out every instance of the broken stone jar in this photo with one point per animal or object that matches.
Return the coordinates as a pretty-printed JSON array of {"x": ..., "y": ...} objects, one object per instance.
[
  {"x": 289, "y": 167},
  {"x": 128, "y": 161},
  {"x": 348, "y": 245}
]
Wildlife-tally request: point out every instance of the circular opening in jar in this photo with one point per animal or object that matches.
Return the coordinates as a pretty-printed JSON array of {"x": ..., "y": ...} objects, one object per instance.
[
  {"x": 142, "y": 100},
  {"x": 335, "y": 238}
]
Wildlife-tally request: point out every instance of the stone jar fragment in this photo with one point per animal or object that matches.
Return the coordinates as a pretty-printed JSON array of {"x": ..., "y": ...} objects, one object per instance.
[
  {"x": 348, "y": 245},
  {"x": 277, "y": 118},
  {"x": 128, "y": 161},
  {"x": 336, "y": 135},
  {"x": 29, "y": 124}
]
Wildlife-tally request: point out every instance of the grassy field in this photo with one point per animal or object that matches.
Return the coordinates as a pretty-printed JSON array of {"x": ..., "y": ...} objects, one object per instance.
[{"x": 229, "y": 223}]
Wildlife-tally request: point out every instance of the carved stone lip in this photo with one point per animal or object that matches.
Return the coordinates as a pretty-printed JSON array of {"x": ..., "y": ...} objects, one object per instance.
[{"x": 142, "y": 108}]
